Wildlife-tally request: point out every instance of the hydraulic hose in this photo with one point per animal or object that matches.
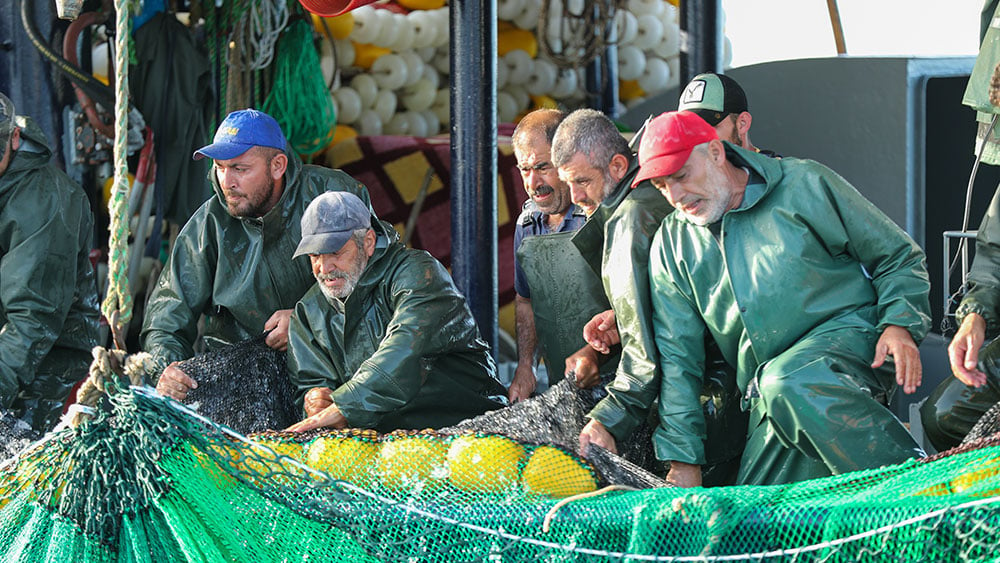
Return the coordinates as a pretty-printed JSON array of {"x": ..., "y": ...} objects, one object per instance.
[{"x": 97, "y": 91}]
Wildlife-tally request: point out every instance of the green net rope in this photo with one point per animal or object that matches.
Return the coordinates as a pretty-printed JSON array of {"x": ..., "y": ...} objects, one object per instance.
[
  {"x": 150, "y": 480},
  {"x": 299, "y": 100}
]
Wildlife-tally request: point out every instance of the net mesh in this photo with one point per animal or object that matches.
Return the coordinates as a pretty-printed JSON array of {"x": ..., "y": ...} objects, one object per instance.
[
  {"x": 243, "y": 386},
  {"x": 149, "y": 479}
]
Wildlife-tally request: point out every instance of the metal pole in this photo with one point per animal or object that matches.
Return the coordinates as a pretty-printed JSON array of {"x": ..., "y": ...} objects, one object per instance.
[
  {"x": 473, "y": 44},
  {"x": 701, "y": 39}
]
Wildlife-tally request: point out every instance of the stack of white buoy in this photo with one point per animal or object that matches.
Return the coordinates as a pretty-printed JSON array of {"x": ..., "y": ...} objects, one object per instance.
[{"x": 388, "y": 64}]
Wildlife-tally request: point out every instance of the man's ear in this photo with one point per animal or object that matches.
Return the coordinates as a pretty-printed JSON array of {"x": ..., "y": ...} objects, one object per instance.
[
  {"x": 278, "y": 165},
  {"x": 743, "y": 122},
  {"x": 618, "y": 167},
  {"x": 370, "y": 242},
  {"x": 716, "y": 151}
]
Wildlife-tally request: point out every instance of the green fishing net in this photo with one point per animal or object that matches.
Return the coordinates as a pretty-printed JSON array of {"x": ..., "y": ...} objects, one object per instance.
[{"x": 150, "y": 479}]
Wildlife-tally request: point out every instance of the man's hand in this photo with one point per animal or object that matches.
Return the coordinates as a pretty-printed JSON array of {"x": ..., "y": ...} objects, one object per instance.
[
  {"x": 278, "y": 337},
  {"x": 595, "y": 433},
  {"x": 328, "y": 417},
  {"x": 684, "y": 474},
  {"x": 583, "y": 366},
  {"x": 897, "y": 342},
  {"x": 317, "y": 399},
  {"x": 523, "y": 384},
  {"x": 601, "y": 332},
  {"x": 174, "y": 383},
  {"x": 963, "y": 352}
]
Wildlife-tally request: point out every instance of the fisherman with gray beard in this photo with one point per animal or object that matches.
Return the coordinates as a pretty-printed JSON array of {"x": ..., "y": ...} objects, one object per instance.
[{"x": 384, "y": 340}]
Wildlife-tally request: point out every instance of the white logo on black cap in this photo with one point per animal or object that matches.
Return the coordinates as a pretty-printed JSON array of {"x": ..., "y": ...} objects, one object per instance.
[{"x": 694, "y": 92}]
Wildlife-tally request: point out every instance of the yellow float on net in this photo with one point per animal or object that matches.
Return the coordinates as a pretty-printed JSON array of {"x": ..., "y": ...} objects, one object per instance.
[
  {"x": 409, "y": 462},
  {"x": 487, "y": 464},
  {"x": 630, "y": 90},
  {"x": 553, "y": 472},
  {"x": 345, "y": 457},
  {"x": 340, "y": 26}
]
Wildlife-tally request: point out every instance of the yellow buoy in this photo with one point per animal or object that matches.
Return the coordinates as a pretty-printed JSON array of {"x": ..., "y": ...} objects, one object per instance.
[
  {"x": 412, "y": 462},
  {"x": 348, "y": 458},
  {"x": 340, "y": 26},
  {"x": 365, "y": 54},
  {"x": 630, "y": 90},
  {"x": 488, "y": 464},
  {"x": 517, "y": 38},
  {"x": 421, "y": 4},
  {"x": 555, "y": 473}
]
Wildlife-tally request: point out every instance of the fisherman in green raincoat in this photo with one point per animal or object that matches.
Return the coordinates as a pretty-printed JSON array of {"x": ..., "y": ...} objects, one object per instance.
[
  {"x": 48, "y": 293},
  {"x": 807, "y": 289},
  {"x": 230, "y": 262},
  {"x": 384, "y": 339}
]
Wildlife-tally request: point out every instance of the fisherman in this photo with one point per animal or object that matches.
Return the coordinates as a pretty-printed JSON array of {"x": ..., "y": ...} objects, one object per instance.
[
  {"x": 229, "y": 264},
  {"x": 384, "y": 339},
  {"x": 549, "y": 209},
  {"x": 954, "y": 407},
  {"x": 721, "y": 101},
  {"x": 596, "y": 161},
  {"x": 48, "y": 292},
  {"x": 807, "y": 289}
]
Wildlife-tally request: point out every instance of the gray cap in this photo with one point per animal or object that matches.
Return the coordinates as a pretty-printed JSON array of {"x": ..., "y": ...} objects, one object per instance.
[{"x": 330, "y": 220}]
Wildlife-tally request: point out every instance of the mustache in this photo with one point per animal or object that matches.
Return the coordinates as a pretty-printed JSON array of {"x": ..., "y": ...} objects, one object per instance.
[
  {"x": 544, "y": 189},
  {"x": 332, "y": 276}
]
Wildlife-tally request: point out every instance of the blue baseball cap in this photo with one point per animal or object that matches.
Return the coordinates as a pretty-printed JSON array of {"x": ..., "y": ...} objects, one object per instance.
[
  {"x": 239, "y": 132},
  {"x": 329, "y": 222}
]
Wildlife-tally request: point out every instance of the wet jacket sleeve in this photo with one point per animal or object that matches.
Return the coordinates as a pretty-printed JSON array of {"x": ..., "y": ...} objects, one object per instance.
[
  {"x": 310, "y": 358},
  {"x": 428, "y": 317},
  {"x": 680, "y": 338},
  {"x": 182, "y": 292},
  {"x": 38, "y": 273},
  {"x": 984, "y": 276},
  {"x": 896, "y": 265},
  {"x": 628, "y": 237}
]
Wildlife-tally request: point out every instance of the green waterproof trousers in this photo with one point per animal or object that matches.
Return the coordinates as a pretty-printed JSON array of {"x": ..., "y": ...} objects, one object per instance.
[
  {"x": 819, "y": 409},
  {"x": 953, "y": 408}
]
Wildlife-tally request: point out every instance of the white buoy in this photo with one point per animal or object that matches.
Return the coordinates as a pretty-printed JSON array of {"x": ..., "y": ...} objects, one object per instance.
[
  {"x": 628, "y": 26},
  {"x": 507, "y": 108},
  {"x": 390, "y": 71},
  {"x": 520, "y": 96},
  {"x": 387, "y": 31},
  {"x": 655, "y": 76},
  {"x": 503, "y": 73},
  {"x": 643, "y": 7},
  {"x": 367, "y": 25},
  {"x": 369, "y": 123},
  {"x": 385, "y": 105},
  {"x": 414, "y": 67},
  {"x": 404, "y": 34},
  {"x": 631, "y": 61},
  {"x": 509, "y": 9},
  {"x": 431, "y": 75},
  {"x": 345, "y": 52},
  {"x": 669, "y": 44},
  {"x": 348, "y": 104},
  {"x": 566, "y": 84},
  {"x": 542, "y": 79},
  {"x": 650, "y": 32},
  {"x": 674, "y": 63},
  {"x": 528, "y": 18},
  {"x": 442, "y": 106},
  {"x": 433, "y": 123},
  {"x": 419, "y": 96},
  {"x": 442, "y": 61},
  {"x": 424, "y": 32},
  {"x": 418, "y": 126},
  {"x": 366, "y": 87},
  {"x": 398, "y": 125},
  {"x": 520, "y": 64}
]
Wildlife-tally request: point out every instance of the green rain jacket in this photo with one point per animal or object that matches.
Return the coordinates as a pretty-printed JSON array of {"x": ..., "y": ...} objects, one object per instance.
[
  {"x": 618, "y": 235},
  {"x": 48, "y": 292},
  {"x": 787, "y": 263},
  {"x": 401, "y": 352},
  {"x": 237, "y": 271},
  {"x": 984, "y": 275}
]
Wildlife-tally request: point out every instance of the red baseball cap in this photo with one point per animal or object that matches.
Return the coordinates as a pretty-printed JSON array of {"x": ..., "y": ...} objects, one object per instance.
[{"x": 667, "y": 143}]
